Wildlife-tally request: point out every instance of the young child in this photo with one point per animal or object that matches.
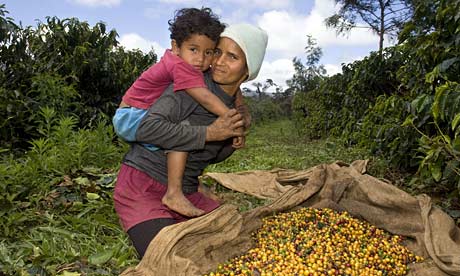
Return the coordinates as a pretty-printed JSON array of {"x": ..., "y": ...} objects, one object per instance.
[{"x": 194, "y": 35}]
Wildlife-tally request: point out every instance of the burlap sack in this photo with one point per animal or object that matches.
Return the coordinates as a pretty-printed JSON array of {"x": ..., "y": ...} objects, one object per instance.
[{"x": 198, "y": 245}]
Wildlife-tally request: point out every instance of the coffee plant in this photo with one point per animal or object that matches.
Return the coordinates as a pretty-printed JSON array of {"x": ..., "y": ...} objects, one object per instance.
[
  {"x": 63, "y": 63},
  {"x": 403, "y": 104}
]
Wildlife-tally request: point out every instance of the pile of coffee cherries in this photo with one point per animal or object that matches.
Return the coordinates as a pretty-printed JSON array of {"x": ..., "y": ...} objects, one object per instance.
[{"x": 315, "y": 242}]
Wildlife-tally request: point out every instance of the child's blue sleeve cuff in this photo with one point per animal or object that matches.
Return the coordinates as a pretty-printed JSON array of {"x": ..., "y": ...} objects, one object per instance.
[{"x": 126, "y": 121}]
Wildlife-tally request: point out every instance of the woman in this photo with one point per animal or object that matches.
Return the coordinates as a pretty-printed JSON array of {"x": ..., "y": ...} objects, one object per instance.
[{"x": 140, "y": 185}]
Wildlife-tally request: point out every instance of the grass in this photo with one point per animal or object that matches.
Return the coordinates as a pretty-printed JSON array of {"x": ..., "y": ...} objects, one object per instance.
[{"x": 279, "y": 145}]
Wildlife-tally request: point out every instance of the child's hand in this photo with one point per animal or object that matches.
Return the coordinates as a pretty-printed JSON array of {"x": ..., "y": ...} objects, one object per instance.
[{"x": 238, "y": 142}]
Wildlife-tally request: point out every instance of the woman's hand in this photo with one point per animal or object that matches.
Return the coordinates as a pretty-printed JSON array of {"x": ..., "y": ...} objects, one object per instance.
[{"x": 226, "y": 126}]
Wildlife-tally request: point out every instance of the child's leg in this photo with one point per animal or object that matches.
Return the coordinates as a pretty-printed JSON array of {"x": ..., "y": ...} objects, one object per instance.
[{"x": 174, "y": 197}]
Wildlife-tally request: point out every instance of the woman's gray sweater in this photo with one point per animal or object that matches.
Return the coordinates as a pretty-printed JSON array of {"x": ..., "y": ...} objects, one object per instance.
[{"x": 162, "y": 127}]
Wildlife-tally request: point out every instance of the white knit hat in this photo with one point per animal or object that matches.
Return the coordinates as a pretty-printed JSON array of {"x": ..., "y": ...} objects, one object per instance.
[{"x": 253, "y": 41}]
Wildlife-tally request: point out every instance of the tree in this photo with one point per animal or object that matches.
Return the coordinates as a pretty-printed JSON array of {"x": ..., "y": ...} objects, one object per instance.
[
  {"x": 384, "y": 17},
  {"x": 270, "y": 83},
  {"x": 307, "y": 76},
  {"x": 7, "y": 26},
  {"x": 306, "y": 79},
  {"x": 258, "y": 86},
  {"x": 261, "y": 88}
]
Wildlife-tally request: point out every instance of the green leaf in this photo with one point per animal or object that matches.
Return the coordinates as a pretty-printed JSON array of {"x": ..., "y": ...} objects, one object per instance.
[
  {"x": 456, "y": 144},
  {"x": 92, "y": 196},
  {"x": 433, "y": 75},
  {"x": 107, "y": 181},
  {"x": 447, "y": 63},
  {"x": 68, "y": 273},
  {"x": 456, "y": 102},
  {"x": 436, "y": 171},
  {"x": 444, "y": 138},
  {"x": 444, "y": 99},
  {"x": 455, "y": 121},
  {"x": 440, "y": 100},
  {"x": 409, "y": 121},
  {"x": 421, "y": 102},
  {"x": 430, "y": 154},
  {"x": 94, "y": 171},
  {"x": 83, "y": 181},
  {"x": 101, "y": 257},
  {"x": 458, "y": 187}
]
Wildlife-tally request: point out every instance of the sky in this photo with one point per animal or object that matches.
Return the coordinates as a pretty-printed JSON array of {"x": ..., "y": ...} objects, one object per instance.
[{"x": 143, "y": 24}]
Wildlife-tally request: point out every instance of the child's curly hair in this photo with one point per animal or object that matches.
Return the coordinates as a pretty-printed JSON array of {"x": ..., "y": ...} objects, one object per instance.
[{"x": 189, "y": 21}]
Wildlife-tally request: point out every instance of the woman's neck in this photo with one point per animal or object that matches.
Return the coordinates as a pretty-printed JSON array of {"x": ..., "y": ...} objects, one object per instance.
[{"x": 230, "y": 89}]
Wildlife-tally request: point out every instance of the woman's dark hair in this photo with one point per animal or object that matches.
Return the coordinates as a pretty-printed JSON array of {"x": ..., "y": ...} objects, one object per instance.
[{"x": 189, "y": 21}]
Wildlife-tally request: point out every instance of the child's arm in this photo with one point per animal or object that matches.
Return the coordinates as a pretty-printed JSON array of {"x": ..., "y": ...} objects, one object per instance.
[
  {"x": 238, "y": 142},
  {"x": 207, "y": 99},
  {"x": 243, "y": 109}
]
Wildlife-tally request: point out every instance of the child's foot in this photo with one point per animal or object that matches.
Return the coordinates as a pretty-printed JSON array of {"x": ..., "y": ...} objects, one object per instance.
[{"x": 180, "y": 204}]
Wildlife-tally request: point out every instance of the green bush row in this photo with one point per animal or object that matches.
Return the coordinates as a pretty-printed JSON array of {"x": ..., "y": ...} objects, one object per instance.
[
  {"x": 60, "y": 63},
  {"x": 403, "y": 104}
]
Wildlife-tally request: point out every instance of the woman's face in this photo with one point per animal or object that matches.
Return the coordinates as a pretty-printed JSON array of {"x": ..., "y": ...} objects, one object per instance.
[{"x": 229, "y": 63}]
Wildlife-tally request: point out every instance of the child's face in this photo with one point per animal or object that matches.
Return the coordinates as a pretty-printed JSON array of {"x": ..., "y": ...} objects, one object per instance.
[{"x": 197, "y": 51}]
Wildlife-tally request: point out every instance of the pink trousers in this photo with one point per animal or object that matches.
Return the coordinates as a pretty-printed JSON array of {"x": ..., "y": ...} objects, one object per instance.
[{"x": 137, "y": 198}]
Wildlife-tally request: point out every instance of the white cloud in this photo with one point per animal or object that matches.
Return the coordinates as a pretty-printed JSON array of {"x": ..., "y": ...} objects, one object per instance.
[
  {"x": 288, "y": 31},
  {"x": 324, "y": 8},
  {"x": 332, "y": 69},
  {"x": 135, "y": 41},
  {"x": 279, "y": 71},
  {"x": 96, "y": 3},
  {"x": 286, "y": 34}
]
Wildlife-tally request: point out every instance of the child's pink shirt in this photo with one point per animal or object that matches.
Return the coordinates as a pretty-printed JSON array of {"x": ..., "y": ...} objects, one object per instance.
[{"x": 153, "y": 82}]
